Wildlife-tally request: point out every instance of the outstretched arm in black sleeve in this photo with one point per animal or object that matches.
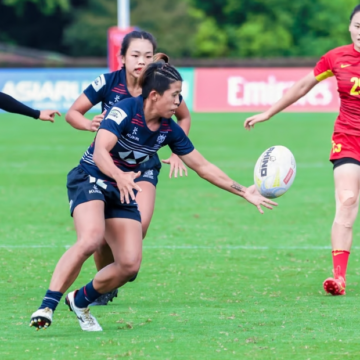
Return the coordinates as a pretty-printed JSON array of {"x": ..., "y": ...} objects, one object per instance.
[{"x": 11, "y": 105}]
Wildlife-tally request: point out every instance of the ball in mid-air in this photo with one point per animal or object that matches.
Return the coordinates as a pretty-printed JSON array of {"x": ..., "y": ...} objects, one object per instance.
[{"x": 274, "y": 171}]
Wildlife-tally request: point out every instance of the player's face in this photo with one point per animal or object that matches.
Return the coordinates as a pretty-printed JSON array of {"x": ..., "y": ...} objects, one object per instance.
[
  {"x": 139, "y": 54},
  {"x": 354, "y": 29},
  {"x": 169, "y": 101}
]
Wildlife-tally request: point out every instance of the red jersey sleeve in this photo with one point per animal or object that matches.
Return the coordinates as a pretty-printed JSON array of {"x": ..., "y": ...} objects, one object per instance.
[{"x": 323, "y": 68}]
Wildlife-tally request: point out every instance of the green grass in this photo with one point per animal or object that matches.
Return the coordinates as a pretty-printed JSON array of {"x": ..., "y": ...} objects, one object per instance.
[{"x": 218, "y": 280}]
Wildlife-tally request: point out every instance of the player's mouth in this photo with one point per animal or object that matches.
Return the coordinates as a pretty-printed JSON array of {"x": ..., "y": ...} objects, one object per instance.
[{"x": 138, "y": 70}]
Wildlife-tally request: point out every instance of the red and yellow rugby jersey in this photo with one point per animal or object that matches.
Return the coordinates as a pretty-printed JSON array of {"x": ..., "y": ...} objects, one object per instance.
[{"x": 344, "y": 63}]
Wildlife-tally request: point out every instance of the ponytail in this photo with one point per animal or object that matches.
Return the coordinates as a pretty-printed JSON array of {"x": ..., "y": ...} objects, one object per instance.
[{"x": 161, "y": 57}]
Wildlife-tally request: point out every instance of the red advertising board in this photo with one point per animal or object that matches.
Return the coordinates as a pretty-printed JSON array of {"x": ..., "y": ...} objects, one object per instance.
[
  {"x": 255, "y": 90},
  {"x": 115, "y": 38}
]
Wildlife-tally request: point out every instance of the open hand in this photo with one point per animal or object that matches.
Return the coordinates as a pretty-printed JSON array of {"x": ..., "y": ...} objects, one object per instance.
[
  {"x": 176, "y": 166},
  {"x": 254, "y": 197},
  {"x": 125, "y": 182}
]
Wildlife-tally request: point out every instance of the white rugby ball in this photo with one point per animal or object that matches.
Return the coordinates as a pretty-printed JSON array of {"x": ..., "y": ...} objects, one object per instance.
[{"x": 275, "y": 171}]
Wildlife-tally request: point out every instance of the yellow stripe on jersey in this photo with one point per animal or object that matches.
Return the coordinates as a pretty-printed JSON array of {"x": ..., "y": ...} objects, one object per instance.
[{"x": 324, "y": 75}]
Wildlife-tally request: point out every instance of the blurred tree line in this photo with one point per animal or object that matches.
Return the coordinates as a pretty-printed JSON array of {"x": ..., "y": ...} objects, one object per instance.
[{"x": 183, "y": 28}]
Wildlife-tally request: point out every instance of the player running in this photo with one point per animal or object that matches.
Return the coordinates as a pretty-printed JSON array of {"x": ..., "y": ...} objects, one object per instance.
[
  {"x": 102, "y": 191},
  {"x": 343, "y": 63},
  {"x": 137, "y": 50},
  {"x": 11, "y": 105}
]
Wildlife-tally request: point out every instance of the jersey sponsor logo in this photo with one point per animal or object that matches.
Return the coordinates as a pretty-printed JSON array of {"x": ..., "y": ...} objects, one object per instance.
[
  {"x": 134, "y": 157},
  {"x": 149, "y": 174},
  {"x": 132, "y": 136},
  {"x": 116, "y": 114},
  {"x": 99, "y": 82},
  {"x": 344, "y": 65},
  {"x": 161, "y": 138},
  {"x": 94, "y": 190},
  {"x": 116, "y": 99}
]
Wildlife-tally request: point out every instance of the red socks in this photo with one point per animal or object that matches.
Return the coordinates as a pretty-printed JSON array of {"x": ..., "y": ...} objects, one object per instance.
[{"x": 340, "y": 261}]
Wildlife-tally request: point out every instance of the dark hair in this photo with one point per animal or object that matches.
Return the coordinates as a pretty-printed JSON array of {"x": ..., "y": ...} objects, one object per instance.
[
  {"x": 356, "y": 10},
  {"x": 158, "y": 76},
  {"x": 136, "y": 35}
]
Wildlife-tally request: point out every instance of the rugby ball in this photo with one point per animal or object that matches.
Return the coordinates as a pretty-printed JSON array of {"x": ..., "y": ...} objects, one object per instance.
[{"x": 275, "y": 171}]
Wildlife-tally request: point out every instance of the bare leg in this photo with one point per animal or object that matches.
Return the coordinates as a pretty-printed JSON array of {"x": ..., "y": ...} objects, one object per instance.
[
  {"x": 347, "y": 184},
  {"x": 146, "y": 202},
  {"x": 90, "y": 227},
  {"x": 124, "y": 237}
]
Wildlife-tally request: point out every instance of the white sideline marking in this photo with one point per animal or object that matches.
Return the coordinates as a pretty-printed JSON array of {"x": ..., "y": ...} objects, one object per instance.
[{"x": 191, "y": 247}]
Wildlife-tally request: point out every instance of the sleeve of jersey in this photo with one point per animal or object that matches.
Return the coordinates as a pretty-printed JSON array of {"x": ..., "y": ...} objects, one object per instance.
[
  {"x": 115, "y": 121},
  {"x": 180, "y": 144},
  {"x": 323, "y": 68},
  {"x": 95, "y": 92}
]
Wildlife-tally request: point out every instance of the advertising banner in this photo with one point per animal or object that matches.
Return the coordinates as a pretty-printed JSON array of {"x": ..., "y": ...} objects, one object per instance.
[
  {"x": 59, "y": 88},
  {"x": 188, "y": 86},
  {"x": 47, "y": 88},
  {"x": 255, "y": 90}
]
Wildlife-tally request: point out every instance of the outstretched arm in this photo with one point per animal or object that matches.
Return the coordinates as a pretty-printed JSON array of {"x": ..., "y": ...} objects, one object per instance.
[
  {"x": 297, "y": 91},
  {"x": 11, "y": 105},
  {"x": 214, "y": 175}
]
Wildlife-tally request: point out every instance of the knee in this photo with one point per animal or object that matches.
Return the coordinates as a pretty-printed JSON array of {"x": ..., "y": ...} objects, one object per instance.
[
  {"x": 347, "y": 208},
  {"x": 89, "y": 242},
  {"x": 130, "y": 268}
]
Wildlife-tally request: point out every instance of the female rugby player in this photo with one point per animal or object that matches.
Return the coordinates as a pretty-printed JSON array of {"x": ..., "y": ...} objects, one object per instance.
[
  {"x": 102, "y": 191},
  {"x": 137, "y": 50},
  {"x": 11, "y": 105},
  {"x": 343, "y": 63}
]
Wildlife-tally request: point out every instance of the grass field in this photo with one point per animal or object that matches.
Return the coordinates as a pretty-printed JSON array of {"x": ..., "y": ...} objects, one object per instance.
[{"x": 218, "y": 280}]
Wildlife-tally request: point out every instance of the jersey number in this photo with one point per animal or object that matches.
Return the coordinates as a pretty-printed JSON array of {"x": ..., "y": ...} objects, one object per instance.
[{"x": 355, "y": 90}]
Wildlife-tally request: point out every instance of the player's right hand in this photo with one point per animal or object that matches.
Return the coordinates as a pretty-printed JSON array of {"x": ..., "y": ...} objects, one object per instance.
[
  {"x": 125, "y": 182},
  {"x": 48, "y": 115},
  {"x": 255, "y": 198},
  {"x": 95, "y": 122},
  {"x": 252, "y": 120}
]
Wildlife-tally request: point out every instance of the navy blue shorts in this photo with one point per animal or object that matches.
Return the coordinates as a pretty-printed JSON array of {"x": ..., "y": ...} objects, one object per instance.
[
  {"x": 83, "y": 188},
  {"x": 150, "y": 170}
]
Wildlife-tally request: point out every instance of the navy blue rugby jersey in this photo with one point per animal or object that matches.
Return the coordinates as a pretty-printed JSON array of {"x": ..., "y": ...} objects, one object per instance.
[
  {"x": 109, "y": 89},
  {"x": 136, "y": 142}
]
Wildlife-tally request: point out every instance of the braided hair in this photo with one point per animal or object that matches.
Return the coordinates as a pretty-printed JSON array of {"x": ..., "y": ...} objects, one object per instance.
[{"x": 158, "y": 76}]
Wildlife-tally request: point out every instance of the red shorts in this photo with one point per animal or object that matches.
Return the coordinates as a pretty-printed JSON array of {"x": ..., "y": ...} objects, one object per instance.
[{"x": 345, "y": 146}]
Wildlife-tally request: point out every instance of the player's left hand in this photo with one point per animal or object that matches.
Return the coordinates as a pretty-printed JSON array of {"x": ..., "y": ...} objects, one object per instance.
[
  {"x": 48, "y": 115},
  {"x": 176, "y": 166}
]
